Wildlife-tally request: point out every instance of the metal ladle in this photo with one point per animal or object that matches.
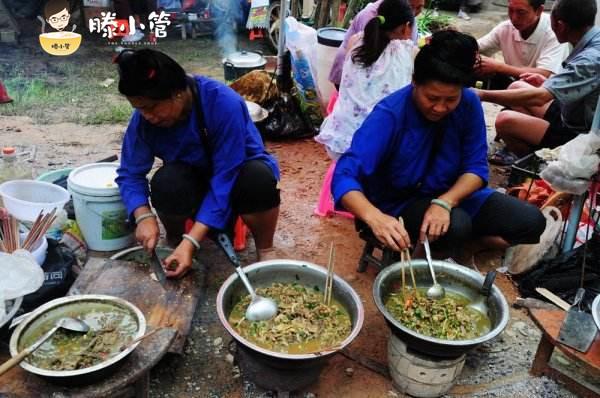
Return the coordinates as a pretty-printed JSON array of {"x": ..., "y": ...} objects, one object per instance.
[
  {"x": 72, "y": 324},
  {"x": 260, "y": 308},
  {"x": 436, "y": 291}
]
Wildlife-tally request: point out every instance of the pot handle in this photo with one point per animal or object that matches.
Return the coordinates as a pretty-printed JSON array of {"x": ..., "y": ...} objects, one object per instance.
[
  {"x": 486, "y": 288},
  {"x": 229, "y": 64}
]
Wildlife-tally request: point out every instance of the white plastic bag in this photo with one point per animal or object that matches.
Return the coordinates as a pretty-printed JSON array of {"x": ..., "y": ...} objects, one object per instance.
[
  {"x": 524, "y": 257},
  {"x": 21, "y": 275},
  {"x": 579, "y": 157},
  {"x": 577, "y": 162},
  {"x": 301, "y": 40}
]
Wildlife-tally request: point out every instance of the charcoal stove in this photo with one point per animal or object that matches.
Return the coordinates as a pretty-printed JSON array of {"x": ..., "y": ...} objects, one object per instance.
[{"x": 276, "y": 376}]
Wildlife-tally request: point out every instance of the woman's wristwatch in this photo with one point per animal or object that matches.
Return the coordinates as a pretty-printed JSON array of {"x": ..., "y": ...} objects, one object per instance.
[{"x": 442, "y": 203}]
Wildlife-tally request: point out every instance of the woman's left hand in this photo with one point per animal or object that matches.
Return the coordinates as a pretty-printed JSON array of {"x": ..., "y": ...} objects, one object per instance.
[
  {"x": 180, "y": 261},
  {"x": 435, "y": 223}
]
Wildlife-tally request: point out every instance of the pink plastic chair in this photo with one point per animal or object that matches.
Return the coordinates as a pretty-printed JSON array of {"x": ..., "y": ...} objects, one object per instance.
[{"x": 325, "y": 204}]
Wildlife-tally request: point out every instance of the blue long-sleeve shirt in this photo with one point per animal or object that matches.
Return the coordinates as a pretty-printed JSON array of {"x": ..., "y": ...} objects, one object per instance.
[
  {"x": 389, "y": 158},
  {"x": 232, "y": 138}
]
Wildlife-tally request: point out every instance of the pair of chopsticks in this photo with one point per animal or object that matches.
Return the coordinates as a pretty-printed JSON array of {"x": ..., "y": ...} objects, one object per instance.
[
  {"x": 329, "y": 280},
  {"x": 404, "y": 259}
]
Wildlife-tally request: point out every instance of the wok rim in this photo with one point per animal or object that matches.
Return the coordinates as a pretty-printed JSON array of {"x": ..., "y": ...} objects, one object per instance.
[
  {"x": 17, "y": 334},
  {"x": 260, "y": 265},
  {"x": 440, "y": 266}
]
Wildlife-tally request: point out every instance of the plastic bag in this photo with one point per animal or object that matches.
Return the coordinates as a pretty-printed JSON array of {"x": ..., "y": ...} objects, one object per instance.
[
  {"x": 577, "y": 162},
  {"x": 285, "y": 120},
  {"x": 57, "y": 276},
  {"x": 20, "y": 274},
  {"x": 301, "y": 40},
  {"x": 524, "y": 257}
]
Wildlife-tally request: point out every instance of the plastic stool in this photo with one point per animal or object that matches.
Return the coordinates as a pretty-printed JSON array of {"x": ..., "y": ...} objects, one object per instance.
[
  {"x": 240, "y": 232},
  {"x": 388, "y": 256},
  {"x": 332, "y": 100},
  {"x": 325, "y": 205}
]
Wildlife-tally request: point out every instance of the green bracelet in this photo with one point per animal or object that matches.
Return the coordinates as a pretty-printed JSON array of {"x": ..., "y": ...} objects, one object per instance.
[{"x": 442, "y": 203}]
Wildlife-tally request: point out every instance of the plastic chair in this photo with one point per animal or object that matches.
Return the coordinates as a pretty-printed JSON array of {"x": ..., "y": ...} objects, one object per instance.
[{"x": 325, "y": 204}]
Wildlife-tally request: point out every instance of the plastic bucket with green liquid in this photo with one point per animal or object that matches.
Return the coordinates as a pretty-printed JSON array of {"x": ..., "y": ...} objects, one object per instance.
[{"x": 99, "y": 210}]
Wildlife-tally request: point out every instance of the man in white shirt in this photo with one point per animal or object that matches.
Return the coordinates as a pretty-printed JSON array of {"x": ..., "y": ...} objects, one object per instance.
[{"x": 527, "y": 42}]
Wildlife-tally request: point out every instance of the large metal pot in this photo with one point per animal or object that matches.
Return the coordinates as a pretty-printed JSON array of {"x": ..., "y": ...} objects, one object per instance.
[
  {"x": 65, "y": 306},
  {"x": 238, "y": 63},
  {"x": 264, "y": 274},
  {"x": 455, "y": 278}
]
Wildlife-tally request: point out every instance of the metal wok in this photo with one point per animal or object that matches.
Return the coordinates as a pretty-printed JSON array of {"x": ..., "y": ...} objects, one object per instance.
[
  {"x": 454, "y": 278},
  {"x": 263, "y": 274},
  {"x": 70, "y": 305}
]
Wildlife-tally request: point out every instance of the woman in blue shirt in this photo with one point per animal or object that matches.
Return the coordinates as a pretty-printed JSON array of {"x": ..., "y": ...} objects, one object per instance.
[
  {"x": 214, "y": 164},
  {"x": 421, "y": 155}
]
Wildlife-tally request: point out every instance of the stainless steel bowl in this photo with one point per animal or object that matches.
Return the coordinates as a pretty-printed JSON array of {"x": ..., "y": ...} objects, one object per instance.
[
  {"x": 60, "y": 307},
  {"x": 264, "y": 274},
  {"x": 596, "y": 310},
  {"x": 454, "y": 278}
]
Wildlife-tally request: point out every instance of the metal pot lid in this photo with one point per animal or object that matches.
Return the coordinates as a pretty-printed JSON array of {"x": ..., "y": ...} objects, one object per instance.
[{"x": 245, "y": 59}]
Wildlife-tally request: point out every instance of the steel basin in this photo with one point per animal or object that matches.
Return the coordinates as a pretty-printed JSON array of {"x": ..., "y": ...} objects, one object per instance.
[
  {"x": 265, "y": 273},
  {"x": 57, "y": 308},
  {"x": 455, "y": 278}
]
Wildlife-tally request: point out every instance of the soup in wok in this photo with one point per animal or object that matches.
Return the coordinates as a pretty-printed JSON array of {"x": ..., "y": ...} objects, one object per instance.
[
  {"x": 111, "y": 327},
  {"x": 303, "y": 324},
  {"x": 449, "y": 318}
]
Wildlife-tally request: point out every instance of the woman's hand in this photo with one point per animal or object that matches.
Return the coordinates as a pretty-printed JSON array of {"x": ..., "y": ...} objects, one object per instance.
[
  {"x": 435, "y": 223},
  {"x": 180, "y": 261},
  {"x": 389, "y": 231},
  {"x": 147, "y": 233}
]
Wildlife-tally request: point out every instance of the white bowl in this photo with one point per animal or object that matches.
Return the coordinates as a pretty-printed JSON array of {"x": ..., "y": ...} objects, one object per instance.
[
  {"x": 39, "y": 250},
  {"x": 24, "y": 199}
]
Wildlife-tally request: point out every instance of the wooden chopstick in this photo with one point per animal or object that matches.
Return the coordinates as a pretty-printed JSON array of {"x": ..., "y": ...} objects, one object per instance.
[
  {"x": 410, "y": 268},
  {"x": 329, "y": 279}
]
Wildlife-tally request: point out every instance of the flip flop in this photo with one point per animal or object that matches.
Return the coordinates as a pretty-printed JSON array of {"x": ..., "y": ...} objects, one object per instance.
[{"x": 503, "y": 157}]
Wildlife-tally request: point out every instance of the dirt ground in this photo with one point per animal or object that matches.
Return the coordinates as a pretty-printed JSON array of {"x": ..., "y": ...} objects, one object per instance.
[{"x": 496, "y": 369}]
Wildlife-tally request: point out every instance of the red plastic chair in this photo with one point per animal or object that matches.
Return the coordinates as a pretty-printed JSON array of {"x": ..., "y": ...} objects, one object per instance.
[{"x": 240, "y": 232}]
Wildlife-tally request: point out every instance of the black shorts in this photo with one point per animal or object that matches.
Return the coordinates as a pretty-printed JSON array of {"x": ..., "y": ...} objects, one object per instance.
[
  {"x": 557, "y": 133},
  {"x": 177, "y": 189}
]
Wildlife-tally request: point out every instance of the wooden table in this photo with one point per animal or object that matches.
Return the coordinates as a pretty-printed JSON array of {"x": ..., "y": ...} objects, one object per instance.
[
  {"x": 550, "y": 321},
  {"x": 171, "y": 308}
]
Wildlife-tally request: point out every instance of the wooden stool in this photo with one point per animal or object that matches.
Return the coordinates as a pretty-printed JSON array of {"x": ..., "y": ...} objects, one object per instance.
[
  {"x": 388, "y": 256},
  {"x": 550, "y": 321}
]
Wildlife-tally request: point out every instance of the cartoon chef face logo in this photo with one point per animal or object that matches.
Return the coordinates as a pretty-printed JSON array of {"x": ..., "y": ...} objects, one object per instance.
[{"x": 61, "y": 42}]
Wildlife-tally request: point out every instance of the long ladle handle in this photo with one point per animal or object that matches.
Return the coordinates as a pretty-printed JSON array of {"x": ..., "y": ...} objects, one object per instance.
[
  {"x": 488, "y": 282},
  {"x": 8, "y": 365},
  {"x": 227, "y": 247},
  {"x": 429, "y": 262}
]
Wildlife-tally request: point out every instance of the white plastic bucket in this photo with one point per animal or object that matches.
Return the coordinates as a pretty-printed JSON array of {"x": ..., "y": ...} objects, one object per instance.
[
  {"x": 99, "y": 210},
  {"x": 329, "y": 39}
]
